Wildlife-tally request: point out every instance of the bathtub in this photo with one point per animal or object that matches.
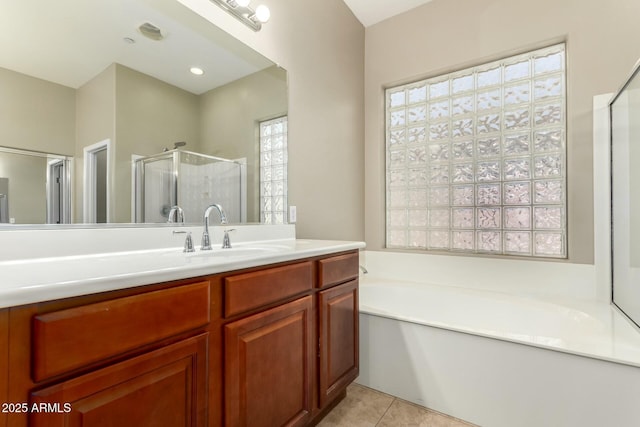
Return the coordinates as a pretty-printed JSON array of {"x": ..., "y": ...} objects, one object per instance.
[{"x": 491, "y": 356}]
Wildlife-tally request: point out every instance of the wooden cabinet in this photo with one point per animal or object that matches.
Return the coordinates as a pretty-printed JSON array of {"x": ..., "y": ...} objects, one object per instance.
[
  {"x": 4, "y": 363},
  {"x": 268, "y": 360},
  {"x": 287, "y": 365},
  {"x": 338, "y": 338},
  {"x": 130, "y": 357},
  {"x": 266, "y": 346},
  {"x": 66, "y": 339},
  {"x": 163, "y": 388}
]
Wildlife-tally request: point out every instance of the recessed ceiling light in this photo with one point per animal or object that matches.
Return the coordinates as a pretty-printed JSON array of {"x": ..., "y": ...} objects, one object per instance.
[
  {"x": 129, "y": 40},
  {"x": 197, "y": 71}
]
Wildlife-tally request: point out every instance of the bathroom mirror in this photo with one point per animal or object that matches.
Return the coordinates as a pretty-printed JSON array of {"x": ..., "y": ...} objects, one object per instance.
[
  {"x": 625, "y": 187},
  {"x": 75, "y": 74}
]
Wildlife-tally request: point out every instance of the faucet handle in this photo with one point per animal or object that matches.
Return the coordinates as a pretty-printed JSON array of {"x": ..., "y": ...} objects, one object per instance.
[
  {"x": 206, "y": 242},
  {"x": 188, "y": 242},
  {"x": 226, "y": 241}
]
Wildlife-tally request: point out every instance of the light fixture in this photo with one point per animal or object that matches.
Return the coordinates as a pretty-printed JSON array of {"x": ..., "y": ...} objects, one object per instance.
[
  {"x": 197, "y": 71},
  {"x": 262, "y": 14},
  {"x": 241, "y": 10}
]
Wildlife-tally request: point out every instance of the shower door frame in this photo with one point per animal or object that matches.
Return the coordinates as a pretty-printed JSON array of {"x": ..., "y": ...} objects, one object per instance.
[
  {"x": 174, "y": 155},
  {"x": 625, "y": 280}
]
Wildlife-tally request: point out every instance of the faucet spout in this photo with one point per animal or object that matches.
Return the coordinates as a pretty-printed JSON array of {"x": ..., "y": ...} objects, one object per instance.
[
  {"x": 176, "y": 215},
  {"x": 206, "y": 241}
]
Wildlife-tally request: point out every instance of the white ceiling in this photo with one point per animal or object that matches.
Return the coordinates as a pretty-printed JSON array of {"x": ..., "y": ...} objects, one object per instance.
[
  {"x": 370, "y": 12},
  {"x": 69, "y": 42}
]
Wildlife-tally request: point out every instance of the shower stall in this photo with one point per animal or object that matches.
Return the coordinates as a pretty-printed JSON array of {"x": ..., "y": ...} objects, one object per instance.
[{"x": 192, "y": 181}]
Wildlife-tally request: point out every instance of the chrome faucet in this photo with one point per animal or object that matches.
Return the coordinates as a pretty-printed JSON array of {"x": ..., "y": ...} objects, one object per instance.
[
  {"x": 206, "y": 242},
  {"x": 177, "y": 213}
]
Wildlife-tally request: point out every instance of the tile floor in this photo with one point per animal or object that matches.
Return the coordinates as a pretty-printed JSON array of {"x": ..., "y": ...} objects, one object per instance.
[{"x": 364, "y": 407}]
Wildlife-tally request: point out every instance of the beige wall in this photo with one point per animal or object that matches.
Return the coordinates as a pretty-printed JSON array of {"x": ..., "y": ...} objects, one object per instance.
[
  {"x": 229, "y": 122},
  {"x": 36, "y": 114},
  {"x": 27, "y": 175},
  {"x": 95, "y": 118},
  {"x": 445, "y": 35},
  {"x": 321, "y": 45},
  {"x": 150, "y": 115}
]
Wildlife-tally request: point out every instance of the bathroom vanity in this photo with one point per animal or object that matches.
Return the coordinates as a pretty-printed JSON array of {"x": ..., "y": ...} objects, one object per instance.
[{"x": 274, "y": 343}]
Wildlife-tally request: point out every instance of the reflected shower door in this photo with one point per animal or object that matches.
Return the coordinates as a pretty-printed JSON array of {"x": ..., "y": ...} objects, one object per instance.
[
  {"x": 157, "y": 186},
  {"x": 625, "y": 187}
]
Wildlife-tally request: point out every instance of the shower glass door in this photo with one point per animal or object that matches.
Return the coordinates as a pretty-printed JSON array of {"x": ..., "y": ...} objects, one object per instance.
[
  {"x": 155, "y": 188},
  {"x": 625, "y": 187}
]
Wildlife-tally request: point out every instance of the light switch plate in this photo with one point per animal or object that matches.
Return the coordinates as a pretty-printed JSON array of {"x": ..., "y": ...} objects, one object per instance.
[{"x": 292, "y": 215}]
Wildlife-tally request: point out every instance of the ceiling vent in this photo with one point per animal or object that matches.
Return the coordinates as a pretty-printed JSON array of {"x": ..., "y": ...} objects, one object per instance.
[{"x": 150, "y": 31}]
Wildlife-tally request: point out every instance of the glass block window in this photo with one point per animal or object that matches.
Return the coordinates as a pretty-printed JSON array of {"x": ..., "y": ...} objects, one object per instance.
[
  {"x": 476, "y": 159},
  {"x": 273, "y": 171}
]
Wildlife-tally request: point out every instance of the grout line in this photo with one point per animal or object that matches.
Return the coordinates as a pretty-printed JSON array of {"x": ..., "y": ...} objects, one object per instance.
[
  {"x": 387, "y": 410},
  {"x": 438, "y": 413}
]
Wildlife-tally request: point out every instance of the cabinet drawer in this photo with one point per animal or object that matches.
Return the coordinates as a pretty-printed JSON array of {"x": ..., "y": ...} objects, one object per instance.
[
  {"x": 165, "y": 387},
  {"x": 338, "y": 269},
  {"x": 249, "y": 291},
  {"x": 69, "y": 339}
]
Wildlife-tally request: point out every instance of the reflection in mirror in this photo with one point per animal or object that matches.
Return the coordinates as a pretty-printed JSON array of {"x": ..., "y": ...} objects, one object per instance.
[
  {"x": 625, "y": 161},
  {"x": 100, "y": 190},
  {"x": 188, "y": 180},
  {"x": 97, "y": 77},
  {"x": 96, "y": 183},
  {"x": 44, "y": 177}
]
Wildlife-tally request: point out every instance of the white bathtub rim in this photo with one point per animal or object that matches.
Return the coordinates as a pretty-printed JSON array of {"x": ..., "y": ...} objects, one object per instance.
[
  {"x": 623, "y": 348},
  {"x": 475, "y": 332}
]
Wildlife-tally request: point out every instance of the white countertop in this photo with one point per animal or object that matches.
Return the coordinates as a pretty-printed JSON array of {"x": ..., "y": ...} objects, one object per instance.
[{"x": 25, "y": 281}]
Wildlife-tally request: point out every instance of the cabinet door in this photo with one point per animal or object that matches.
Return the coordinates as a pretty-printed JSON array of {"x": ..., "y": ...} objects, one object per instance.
[
  {"x": 338, "y": 333},
  {"x": 268, "y": 365},
  {"x": 165, "y": 387},
  {"x": 4, "y": 363}
]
